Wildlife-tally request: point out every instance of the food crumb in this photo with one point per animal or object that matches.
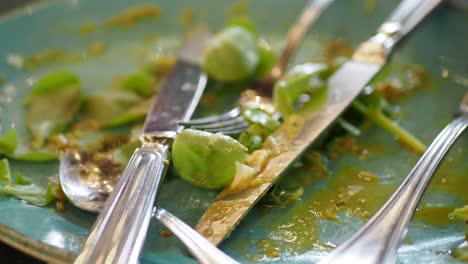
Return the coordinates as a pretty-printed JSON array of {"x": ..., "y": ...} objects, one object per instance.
[
  {"x": 60, "y": 206},
  {"x": 166, "y": 162},
  {"x": 369, "y": 6},
  {"x": 209, "y": 99},
  {"x": 58, "y": 193},
  {"x": 273, "y": 253},
  {"x": 414, "y": 78},
  {"x": 96, "y": 48},
  {"x": 165, "y": 233},
  {"x": 367, "y": 176},
  {"x": 161, "y": 65},
  {"x": 45, "y": 57},
  {"x": 346, "y": 144},
  {"x": 87, "y": 28},
  {"x": 334, "y": 49},
  {"x": 238, "y": 8},
  {"x": 186, "y": 17},
  {"x": 135, "y": 14},
  {"x": 329, "y": 215}
]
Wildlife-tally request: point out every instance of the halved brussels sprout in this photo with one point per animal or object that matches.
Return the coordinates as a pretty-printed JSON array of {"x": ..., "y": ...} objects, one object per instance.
[
  {"x": 206, "y": 159},
  {"x": 232, "y": 55}
]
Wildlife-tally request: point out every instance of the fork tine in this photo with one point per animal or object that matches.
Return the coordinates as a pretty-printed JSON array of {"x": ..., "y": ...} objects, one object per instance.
[
  {"x": 221, "y": 124},
  {"x": 231, "y": 126},
  {"x": 213, "y": 119},
  {"x": 229, "y": 130}
]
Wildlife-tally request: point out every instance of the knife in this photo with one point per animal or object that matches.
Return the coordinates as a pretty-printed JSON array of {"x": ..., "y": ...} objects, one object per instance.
[
  {"x": 344, "y": 86},
  {"x": 120, "y": 229}
]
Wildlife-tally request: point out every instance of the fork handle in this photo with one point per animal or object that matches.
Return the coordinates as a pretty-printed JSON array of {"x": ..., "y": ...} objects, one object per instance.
[
  {"x": 296, "y": 34},
  {"x": 378, "y": 240},
  {"x": 120, "y": 230}
]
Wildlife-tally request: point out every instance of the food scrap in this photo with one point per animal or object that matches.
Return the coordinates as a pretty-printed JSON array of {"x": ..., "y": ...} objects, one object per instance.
[
  {"x": 97, "y": 48},
  {"x": 186, "y": 17},
  {"x": 133, "y": 15},
  {"x": 87, "y": 28}
]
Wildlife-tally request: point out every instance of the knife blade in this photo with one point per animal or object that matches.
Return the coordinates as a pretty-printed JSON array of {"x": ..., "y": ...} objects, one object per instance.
[
  {"x": 120, "y": 229},
  {"x": 344, "y": 86}
]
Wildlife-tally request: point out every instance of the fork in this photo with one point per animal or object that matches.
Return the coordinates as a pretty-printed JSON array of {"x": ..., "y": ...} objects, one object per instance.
[
  {"x": 232, "y": 122},
  {"x": 378, "y": 240}
]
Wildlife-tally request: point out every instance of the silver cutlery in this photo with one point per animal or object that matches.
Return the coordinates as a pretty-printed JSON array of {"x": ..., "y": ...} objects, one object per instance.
[
  {"x": 120, "y": 230},
  {"x": 379, "y": 239},
  {"x": 91, "y": 191},
  {"x": 343, "y": 87}
]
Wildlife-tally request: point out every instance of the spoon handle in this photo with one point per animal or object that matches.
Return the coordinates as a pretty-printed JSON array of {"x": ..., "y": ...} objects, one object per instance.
[
  {"x": 132, "y": 200},
  {"x": 201, "y": 249},
  {"x": 378, "y": 240}
]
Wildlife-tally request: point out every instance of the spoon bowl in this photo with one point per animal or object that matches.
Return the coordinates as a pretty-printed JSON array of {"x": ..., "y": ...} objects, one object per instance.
[{"x": 88, "y": 178}]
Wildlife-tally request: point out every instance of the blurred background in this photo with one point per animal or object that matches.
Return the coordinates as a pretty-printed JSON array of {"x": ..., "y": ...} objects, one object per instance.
[
  {"x": 10, "y": 255},
  {"x": 7, "y": 5}
]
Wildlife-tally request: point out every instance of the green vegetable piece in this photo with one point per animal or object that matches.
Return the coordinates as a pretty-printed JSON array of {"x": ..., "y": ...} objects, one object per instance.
[
  {"x": 461, "y": 252},
  {"x": 124, "y": 153},
  {"x": 20, "y": 179},
  {"x": 30, "y": 193},
  {"x": 267, "y": 59},
  {"x": 37, "y": 156},
  {"x": 461, "y": 213},
  {"x": 54, "y": 81},
  {"x": 302, "y": 79},
  {"x": 23, "y": 188},
  {"x": 260, "y": 117},
  {"x": 232, "y": 55},
  {"x": 52, "y": 104},
  {"x": 138, "y": 83},
  {"x": 254, "y": 136},
  {"x": 205, "y": 159},
  {"x": 107, "y": 107},
  {"x": 281, "y": 198},
  {"x": 8, "y": 142},
  {"x": 133, "y": 115},
  {"x": 5, "y": 173},
  {"x": 243, "y": 22},
  {"x": 372, "y": 106},
  {"x": 350, "y": 128},
  {"x": 251, "y": 141}
]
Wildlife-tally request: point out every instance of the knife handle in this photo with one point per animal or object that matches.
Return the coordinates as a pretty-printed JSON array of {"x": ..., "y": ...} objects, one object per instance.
[
  {"x": 407, "y": 15},
  {"x": 120, "y": 230}
]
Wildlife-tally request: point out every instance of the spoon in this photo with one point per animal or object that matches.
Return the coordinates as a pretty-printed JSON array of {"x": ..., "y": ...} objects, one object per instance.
[{"x": 88, "y": 178}]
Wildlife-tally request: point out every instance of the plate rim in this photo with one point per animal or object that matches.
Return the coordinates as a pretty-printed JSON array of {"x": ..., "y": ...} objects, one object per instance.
[{"x": 34, "y": 247}]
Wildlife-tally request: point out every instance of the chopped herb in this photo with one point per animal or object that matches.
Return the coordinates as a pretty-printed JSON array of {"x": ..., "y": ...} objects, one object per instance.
[
  {"x": 5, "y": 173},
  {"x": 23, "y": 188},
  {"x": 139, "y": 83},
  {"x": 8, "y": 142},
  {"x": 372, "y": 107},
  {"x": 52, "y": 104}
]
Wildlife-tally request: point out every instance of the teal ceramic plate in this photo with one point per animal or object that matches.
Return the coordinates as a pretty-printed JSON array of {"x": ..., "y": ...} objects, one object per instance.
[{"x": 439, "y": 45}]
